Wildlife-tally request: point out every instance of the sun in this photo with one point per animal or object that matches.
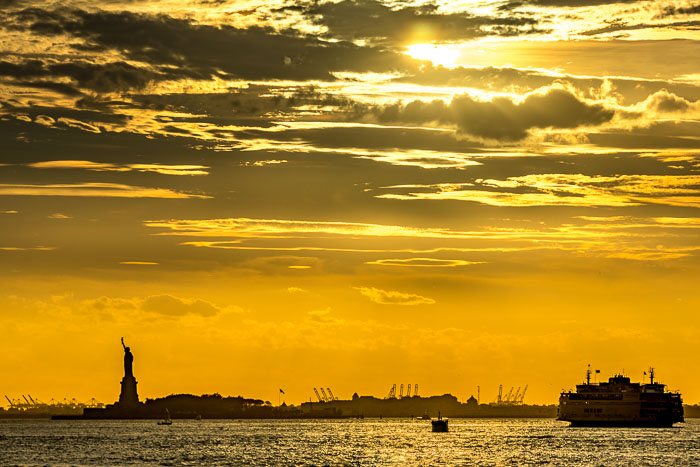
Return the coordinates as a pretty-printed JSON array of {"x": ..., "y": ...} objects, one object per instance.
[{"x": 440, "y": 54}]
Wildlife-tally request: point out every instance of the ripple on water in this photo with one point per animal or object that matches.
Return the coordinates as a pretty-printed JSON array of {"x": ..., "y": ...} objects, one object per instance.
[{"x": 349, "y": 442}]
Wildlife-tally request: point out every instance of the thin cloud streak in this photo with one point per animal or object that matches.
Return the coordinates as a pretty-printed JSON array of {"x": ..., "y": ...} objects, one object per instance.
[
  {"x": 393, "y": 297},
  {"x": 562, "y": 190},
  {"x": 35, "y": 248},
  {"x": 622, "y": 238},
  {"x": 109, "y": 190},
  {"x": 423, "y": 262},
  {"x": 108, "y": 167}
]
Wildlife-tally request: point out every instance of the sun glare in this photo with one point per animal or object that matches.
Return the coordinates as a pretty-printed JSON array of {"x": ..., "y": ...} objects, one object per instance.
[{"x": 445, "y": 55}]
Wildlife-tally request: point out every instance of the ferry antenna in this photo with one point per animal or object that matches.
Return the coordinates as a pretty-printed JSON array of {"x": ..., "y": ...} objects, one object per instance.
[{"x": 588, "y": 374}]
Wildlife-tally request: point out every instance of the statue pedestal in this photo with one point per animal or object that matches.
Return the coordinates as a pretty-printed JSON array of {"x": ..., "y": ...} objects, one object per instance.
[{"x": 128, "y": 397}]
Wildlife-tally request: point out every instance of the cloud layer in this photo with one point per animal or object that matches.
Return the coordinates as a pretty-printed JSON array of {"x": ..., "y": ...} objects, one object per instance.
[{"x": 500, "y": 118}]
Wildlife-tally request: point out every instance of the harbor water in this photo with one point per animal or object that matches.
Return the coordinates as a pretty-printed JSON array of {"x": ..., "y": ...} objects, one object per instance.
[{"x": 342, "y": 442}]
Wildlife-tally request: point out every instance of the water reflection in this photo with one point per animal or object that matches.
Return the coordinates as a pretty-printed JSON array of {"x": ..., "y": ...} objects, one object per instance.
[{"x": 355, "y": 442}]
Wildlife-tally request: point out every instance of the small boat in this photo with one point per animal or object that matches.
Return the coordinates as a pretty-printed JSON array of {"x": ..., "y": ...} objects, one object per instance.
[
  {"x": 167, "y": 420},
  {"x": 425, "y": 416},
  {"x": 439, "y": 425}
]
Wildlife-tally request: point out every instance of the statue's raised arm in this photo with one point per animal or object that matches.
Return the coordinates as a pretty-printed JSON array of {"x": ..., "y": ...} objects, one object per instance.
[{"x": 123, "y": 344}]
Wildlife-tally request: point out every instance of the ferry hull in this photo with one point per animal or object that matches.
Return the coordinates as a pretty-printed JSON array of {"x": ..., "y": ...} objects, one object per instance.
[{"x": 621, "y": 423}]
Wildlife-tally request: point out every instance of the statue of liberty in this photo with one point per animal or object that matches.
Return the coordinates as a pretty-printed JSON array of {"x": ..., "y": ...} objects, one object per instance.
[
  {"x": 128, "y": 361},
  {"x": 129, "y": 398}
]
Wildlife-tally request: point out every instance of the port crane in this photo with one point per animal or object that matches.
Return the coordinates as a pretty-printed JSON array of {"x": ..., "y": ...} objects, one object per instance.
[
  {"x": 323, "y": 396},
  {"x": 516, "y": 396},
  {"x": 392, "y": 392},
  {"x": 330, "y": 393},
  {"x": 511, "y": 398},
  {"x": 522, "y": 396},
  {"x": 507, "y": 397},
  {"x": 27, "y": 402}
]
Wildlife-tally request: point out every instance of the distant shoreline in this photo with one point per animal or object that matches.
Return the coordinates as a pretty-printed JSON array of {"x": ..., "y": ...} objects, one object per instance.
[
  {"x": 694, "y": 413},
  {"x": 78, "y": 417},
  {"x": 215, "y": 407}
]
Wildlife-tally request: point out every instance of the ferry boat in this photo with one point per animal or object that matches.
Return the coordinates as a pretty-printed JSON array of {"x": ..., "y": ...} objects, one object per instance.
[{"x": 620, "y": 402}]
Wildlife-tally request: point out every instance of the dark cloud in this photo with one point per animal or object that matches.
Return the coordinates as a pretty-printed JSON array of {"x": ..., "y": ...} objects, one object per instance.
[
  {"x": 60, "y": 88},
  {"x": 253, "y": 100},
  {"x": 375, "y": 21},
  {"x": 563, "y": 3},
  {"x": 270, "y": 100},
  {"x": 185, "y": 49},
  {"x": 9, "y": 3},
  {"x": 101, "y": 78},
  {"x": 678, "y": 11},
  {"x": 501, "y": 118},
  {"x": 663, "y": 101},
  {"x": 381, "y": 138},
  {"x": 623, "y": 26},
  {"x": 637, "y": 140},
  {"x": 56, "y": 113},
  {"x": 492, "y": 78}
]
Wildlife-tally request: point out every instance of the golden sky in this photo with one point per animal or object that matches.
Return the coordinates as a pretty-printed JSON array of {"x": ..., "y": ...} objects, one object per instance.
[{"x": 348, "y": 194}]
